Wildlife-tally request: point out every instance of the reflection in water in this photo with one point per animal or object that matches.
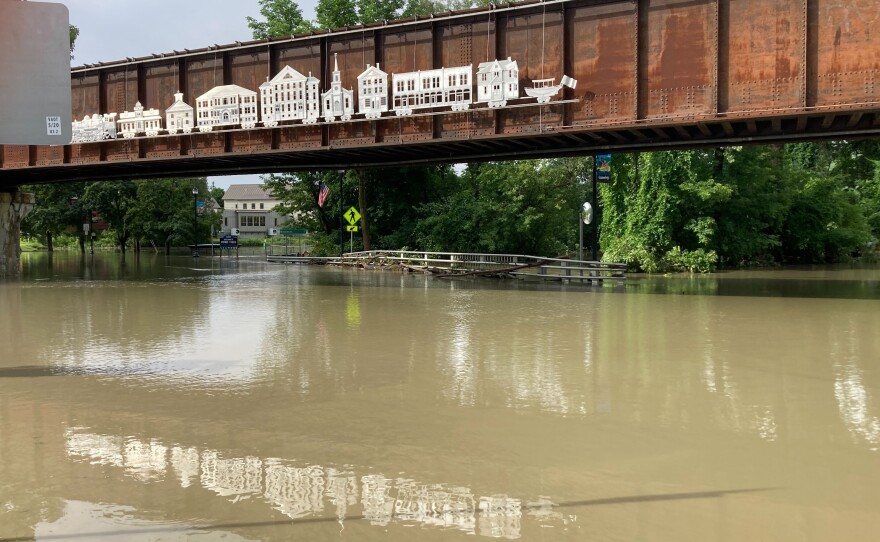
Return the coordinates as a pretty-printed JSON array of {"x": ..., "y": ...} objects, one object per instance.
[
  {"x": 116, "y": 522},
  {"x": 855, "y": 403},
  {"x": 635, "y": 408},
  {"x": 300, "y": 492},
  {"x": 296, "y": 492},
  {"x": 853, "y": 399}
]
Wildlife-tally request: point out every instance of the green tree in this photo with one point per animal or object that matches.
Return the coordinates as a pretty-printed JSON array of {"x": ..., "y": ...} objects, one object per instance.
[
  {"x": 525, "y": 207},
  {"x": 58, "y": 209},
  {"x": 298, "y": 193},
  {"x": 379, "y": 10},
  {"x": 164, "y": 210},
  {"x": 74, "y": 33},
  {"x": 282, "y": 18},
  {"x": 114, "y": 201},
  {"x": 336, "y": 13},
  {"x": 825, "y": 222}
]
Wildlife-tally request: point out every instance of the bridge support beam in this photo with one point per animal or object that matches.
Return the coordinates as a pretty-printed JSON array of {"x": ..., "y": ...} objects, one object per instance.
[{"x": 13, "y": 208}]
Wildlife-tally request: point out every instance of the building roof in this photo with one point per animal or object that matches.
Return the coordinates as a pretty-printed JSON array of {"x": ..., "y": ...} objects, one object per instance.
[
  {"x": 508, "y": 64},
  {"x": 179, "y": 104},
  {"x": 372, "y": 71},
  {"x": 227, "y": 90},
  {"x": 246, "y": 192},
  {"x": 287, "y": 73}
]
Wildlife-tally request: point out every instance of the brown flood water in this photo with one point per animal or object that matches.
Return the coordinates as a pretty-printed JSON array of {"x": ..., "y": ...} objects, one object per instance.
[{"x": 187, "y": 399}]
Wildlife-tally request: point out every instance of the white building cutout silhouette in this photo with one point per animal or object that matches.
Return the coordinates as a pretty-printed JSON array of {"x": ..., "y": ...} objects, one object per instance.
[
  {"x": 373, "y": 92},
  {"x": 337, "y": 100},
  {"x": 139, "y": 121},
  {"x": 179, "y": 117},
  {"x": 290, "y": 95},
  {"x": 227, "y": 105},
  {"x": 497, "y": 82}
]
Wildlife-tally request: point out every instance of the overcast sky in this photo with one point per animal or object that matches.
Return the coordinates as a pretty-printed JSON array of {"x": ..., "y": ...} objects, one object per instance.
[{"x": 115, "y": 29}]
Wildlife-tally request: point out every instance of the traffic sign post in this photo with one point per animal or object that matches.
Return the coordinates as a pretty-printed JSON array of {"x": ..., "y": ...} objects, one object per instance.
[
  {"x": 228, "y": 242},
  {"x": 352, "y": 216}
]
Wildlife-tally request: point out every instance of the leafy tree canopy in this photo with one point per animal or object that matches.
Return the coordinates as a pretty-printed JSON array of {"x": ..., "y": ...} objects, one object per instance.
[{"x": 281, "y": 18}]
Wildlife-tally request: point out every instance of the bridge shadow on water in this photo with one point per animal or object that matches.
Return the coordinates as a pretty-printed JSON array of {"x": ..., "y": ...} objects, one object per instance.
[
  {"x": 629, "y": 499},
  {"x": 34, "y": 371}
]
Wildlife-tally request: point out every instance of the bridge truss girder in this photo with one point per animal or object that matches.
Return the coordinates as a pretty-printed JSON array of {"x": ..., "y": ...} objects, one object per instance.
[{"x": 653, "y": 74}]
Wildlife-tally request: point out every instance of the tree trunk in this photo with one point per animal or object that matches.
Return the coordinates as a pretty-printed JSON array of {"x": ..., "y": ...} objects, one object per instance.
[
  {"x": 168, "y": 247},
  {"x": 122, "y": 241},
  {"x": 362, "y": 203},
  {"x": 49, "y": 246}
]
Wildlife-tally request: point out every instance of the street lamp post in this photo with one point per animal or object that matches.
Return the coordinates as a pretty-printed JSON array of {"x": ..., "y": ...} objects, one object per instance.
[{"x": 195, "y": 192}]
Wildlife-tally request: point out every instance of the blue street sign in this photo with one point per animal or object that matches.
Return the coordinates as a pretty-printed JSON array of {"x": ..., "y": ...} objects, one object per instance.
[
  {"x": 228, "y": 242},
  {"x": 603, "y": 168}
]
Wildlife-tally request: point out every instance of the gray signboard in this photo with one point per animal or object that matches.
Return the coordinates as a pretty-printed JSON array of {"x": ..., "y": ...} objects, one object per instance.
[{"x": 34, "y": 73}]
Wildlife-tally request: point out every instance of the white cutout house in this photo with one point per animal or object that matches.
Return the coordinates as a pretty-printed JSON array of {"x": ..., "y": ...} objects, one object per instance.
[
  {"x": 289, "y": 95},
  {"x": 226, "y": 105},
  {"x": 372, "y": 92},
  {"x": 139, "y": 121},
  {"x": 497, "y": 82},
  {"x": 179, "y": 117},
  {"x": 432, "y": 88},
  {"x": 337, "y": 100}
]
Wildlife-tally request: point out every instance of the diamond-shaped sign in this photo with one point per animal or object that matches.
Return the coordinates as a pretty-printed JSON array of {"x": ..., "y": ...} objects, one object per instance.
[{"x": 352, "y": 215}]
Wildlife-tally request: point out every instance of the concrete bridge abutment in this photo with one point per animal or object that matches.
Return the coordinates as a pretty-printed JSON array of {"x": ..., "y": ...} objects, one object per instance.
[{"x": 14, "y": 206}]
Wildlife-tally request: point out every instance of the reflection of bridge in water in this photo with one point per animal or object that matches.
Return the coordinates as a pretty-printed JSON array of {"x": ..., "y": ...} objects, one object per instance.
[{"x": 306, "y": 491}]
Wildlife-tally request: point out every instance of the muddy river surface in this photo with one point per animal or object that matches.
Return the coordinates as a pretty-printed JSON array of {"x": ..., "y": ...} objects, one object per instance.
[{"x": 199, "y": 399}]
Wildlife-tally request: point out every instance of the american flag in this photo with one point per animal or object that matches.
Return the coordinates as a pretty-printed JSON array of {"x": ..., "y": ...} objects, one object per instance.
[{"x": 323, "y": 192}]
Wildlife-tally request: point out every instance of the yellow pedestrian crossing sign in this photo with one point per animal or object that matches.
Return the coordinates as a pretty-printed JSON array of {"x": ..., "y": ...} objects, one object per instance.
[{"x": 352, "y": 215}]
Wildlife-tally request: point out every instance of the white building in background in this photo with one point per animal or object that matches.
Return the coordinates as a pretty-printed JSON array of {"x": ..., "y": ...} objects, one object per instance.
[
  {"x": 251, "y": 209},
  {"x": 140, "y": 121},
  {"x": 497, "y": 82},
  {"x": 337, "y": 101},
  {"x": 179, "y": 117},
  {"x": 372, "y": 92},
  {"x": 226, "y": 105},
  {"x": 289, "y": 95}
]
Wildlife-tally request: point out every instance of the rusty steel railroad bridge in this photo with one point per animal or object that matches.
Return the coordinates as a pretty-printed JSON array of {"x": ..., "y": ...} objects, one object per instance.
[{"x": 652, "y": 74}]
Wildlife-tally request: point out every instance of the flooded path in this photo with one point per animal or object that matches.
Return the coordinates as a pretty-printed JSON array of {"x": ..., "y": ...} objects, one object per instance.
[{"x": 189, "y": 399}]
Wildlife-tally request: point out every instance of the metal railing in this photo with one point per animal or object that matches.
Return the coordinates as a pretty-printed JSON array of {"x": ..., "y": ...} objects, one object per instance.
[{"x": 460, "y": 264}]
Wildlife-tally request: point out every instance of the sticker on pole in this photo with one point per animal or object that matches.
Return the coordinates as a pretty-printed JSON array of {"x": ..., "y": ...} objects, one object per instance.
[{"x": 53, "y": 125}]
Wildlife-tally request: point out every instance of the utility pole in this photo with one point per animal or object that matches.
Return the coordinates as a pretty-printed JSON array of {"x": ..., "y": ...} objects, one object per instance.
[
  {"x": 594, "y": 231},
  {"x": 195, "y": 192}
]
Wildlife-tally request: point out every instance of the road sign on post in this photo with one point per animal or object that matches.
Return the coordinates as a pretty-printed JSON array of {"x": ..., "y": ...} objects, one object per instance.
[
  {"x": 352, "y": 216},
  {"x": 228, "y": 242}
]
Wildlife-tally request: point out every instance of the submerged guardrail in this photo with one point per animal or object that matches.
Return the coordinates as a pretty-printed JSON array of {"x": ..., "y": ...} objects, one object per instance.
[{"x": 463, "y": 264}]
